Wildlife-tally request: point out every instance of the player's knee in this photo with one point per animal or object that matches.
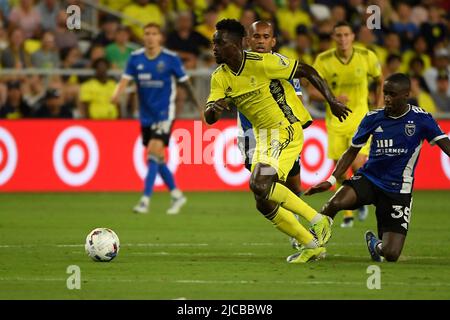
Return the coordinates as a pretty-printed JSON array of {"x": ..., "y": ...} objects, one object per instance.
[
  {"x": 260, "y": 188},
  {"x": 391, "y": 254}
]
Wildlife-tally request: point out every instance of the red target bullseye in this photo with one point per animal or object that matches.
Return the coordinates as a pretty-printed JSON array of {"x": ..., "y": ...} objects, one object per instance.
[
  {"x": 3, "y": 156},
  {"x": 232, "y": 157},
  {"x": 311, "y": 160},
  {"x": 75, "y": 155}
]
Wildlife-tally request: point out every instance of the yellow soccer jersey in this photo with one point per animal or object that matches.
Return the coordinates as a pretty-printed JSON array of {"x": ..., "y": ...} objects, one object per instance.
[
  {"x": 98, "y": 96},
  {"x": 350, "y": 79},
  {"x": 259, "y": 91}
]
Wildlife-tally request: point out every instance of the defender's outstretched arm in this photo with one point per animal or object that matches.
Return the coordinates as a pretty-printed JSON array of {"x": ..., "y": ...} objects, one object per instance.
[
  {"x": 338, "y": 109},
  {"x": 341, "y": 167}
]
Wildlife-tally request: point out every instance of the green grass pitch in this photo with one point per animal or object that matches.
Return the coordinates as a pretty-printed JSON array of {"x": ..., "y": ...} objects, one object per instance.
[{"x": 218, "y": 247}]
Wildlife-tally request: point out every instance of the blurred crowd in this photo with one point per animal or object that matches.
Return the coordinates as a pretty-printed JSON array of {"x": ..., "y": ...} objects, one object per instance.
[{"x": 414, "y": 38}]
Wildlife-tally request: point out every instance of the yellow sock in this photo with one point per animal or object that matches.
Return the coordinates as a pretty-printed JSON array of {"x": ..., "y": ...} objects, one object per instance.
[
  {"x": 347, "y": 213},
  {"x": 287, "y": 223},
  {"x": 288, "y": 200}
]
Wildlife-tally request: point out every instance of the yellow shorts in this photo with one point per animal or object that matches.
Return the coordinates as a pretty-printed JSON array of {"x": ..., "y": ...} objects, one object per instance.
[
  {"x": 278, "y": 148},
  {"x": 339, "y": 143}
]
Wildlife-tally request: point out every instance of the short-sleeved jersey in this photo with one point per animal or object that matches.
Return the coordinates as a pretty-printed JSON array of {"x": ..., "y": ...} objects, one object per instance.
[
  {"x": 245, "y": 126},
  {"x": 258, "y": 91},
  {"x": 156, "y": 84},
  {"x": 97, "y": 96},
  {"x": 350, "y": 79},
  {"x": 395, "y": 146}
]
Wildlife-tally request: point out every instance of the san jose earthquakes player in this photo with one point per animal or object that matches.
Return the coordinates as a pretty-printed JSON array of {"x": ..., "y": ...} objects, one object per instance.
[
  {"x": 387, "y": 179},
  {"x": 261, "y": 39},
  {"x": 155, "y": 71}
]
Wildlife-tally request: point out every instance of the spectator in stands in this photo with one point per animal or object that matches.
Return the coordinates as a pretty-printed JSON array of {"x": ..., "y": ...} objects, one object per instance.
[
  {"x": 248, "y": 16},
  {"x": 109, "y": 27},
  {"x": 48, "y": 10},
  {"x": 96, "y": 94},
  {"x": 419, "y": 97},
  {"x": 302, "y": 47},
  {"x": 15, "y": 106},
  {"x": 434, "y": 30},
  {"x": 231, "y": 9},
  {"x": 403, "y": 26},
  {"x": 392, "y": 43},
  {"x": 116, "y": 5},
  {"x": 53, "y": 106},
  {"x": 117, "y": 53},
  {"x": 367, "y": 39},
  {"x": 47, "y": 56},
  {"x": 441, "y": 64},
  {"x": 208, "y": 27},
  {"x": 64, "y": 37},
  {"x": 393, "y": 63},
  {"x": 419, "y": 49},
  {"x": 187, "y": 42},
  {"x": 25, "y": 17},
  {"x": 15, "y": 55},
  {"x": 338, "y": 14},
  {"x": 442, "y": 97},
  {"x": 290, "y": 17},
  {"x": 325, "y": 42},
  {"x": 144, "y": 12},
  {"x": 3, "y": 39}
]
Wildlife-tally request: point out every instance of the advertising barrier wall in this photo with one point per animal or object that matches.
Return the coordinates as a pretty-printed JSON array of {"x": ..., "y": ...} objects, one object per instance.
[{"x": 65, "y": 155}]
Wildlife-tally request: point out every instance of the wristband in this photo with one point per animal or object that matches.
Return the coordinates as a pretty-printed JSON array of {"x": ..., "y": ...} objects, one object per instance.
[{"x": 332, "y": 180}]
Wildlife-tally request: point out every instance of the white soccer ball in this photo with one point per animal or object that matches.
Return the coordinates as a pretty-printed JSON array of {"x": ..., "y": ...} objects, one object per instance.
[{"x": 102, "y": 244}]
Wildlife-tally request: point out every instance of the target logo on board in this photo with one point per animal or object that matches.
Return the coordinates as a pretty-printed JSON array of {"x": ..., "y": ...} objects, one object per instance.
[
  {"x": 140, "y": 159},
  {"x": 228, "y": 161},
  {"x": 316, "y": 167},
  {"x": 445, "y": 163},
  {"x": 8, "y": 156},
  {"x": 76, "y": 156}
]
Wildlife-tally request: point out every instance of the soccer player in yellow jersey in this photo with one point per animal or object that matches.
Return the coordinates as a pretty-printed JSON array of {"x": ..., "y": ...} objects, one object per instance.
[
  {"x": 261, "y": 39},
  {"x": 347, "y": 70},
  {"x": 251, "y": 82}
]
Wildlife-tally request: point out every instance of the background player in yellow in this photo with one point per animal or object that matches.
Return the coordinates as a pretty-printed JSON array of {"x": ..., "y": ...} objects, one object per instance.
[
  {"x": 250, "y": 81},
  {"x": 347, "y": 70}
]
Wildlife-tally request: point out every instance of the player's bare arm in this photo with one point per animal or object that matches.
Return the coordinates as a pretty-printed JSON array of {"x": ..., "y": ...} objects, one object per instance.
[
  {"x": 444, "y": 144},
  {"x": 341, "y": 167},
  {"x": 338, "y": 109},
  {"x": 120, "y": 88},
  {"x": 214, "y": 110}
]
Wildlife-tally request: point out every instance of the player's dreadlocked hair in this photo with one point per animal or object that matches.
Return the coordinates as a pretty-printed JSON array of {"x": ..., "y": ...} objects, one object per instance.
[{"x": 232, "y": 26}]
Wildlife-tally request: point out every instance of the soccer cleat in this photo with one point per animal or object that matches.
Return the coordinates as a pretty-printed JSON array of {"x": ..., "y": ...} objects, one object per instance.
[
  {"x": 322, "y": 230},
  {"x": 372, "y": 242},
  {"x": 176, "y": 205},
  {"x": 306, "y": 255},
  {"x": 141, "y": 207},
  {"x": 363, "y": 212},
  {"x": 347, "y": 222}
]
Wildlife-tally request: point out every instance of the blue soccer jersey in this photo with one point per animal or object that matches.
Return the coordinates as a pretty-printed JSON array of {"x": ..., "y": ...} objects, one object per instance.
[
  {"x": 395, "y": 146},
  {"x": 156, "y": 84}
]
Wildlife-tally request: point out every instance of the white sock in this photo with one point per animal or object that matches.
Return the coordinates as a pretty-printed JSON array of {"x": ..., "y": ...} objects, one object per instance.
[
  {"x": 145, "y": 200},
  {"x": 311, "y": 245},
  {"x": 176, "y": 193}
]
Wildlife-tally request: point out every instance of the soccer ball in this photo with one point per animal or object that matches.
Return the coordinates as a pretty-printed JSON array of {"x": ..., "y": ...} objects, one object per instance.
[{"x": 102, "y": 244}]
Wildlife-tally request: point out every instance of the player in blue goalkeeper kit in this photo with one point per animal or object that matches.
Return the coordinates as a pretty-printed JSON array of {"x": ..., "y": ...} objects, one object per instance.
[
  {"x": 386, "y": 180},
  {"x": 156, "y": 70}
]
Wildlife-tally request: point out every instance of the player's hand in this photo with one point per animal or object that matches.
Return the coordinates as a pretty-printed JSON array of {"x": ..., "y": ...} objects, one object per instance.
[
  {"x": 219, "y": 106},
  {"x": 339, "y": 110},
  {"x": 320, "y": 187}
]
